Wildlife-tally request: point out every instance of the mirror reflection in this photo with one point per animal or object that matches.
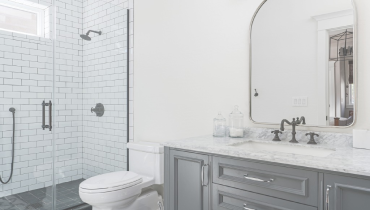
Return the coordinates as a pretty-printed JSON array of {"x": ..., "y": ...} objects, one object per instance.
[{"x": 302, "y": 62}]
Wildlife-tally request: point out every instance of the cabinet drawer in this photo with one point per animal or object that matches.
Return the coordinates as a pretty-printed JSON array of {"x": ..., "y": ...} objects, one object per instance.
[
  {"x": 230, "y": 198},
  {"x": 281, "y": 182}
]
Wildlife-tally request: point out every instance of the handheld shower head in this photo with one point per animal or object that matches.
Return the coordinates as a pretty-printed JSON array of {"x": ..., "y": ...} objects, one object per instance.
[
  {"x": 86, "y": 36},
  {"x": 12, "y": 110}
]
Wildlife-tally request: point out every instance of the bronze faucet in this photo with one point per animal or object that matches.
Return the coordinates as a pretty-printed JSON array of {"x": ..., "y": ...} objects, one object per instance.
[{"x": 294, "y": 123}]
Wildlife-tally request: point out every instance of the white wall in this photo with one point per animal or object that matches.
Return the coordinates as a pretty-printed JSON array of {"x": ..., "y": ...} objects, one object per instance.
[{"x": 191, "y": 60}]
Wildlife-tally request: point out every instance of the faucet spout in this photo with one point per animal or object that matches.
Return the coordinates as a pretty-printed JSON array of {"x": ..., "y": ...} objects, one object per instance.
[
  {"x": 294, "y": 123},
  {"x": 282, "y": 124}
]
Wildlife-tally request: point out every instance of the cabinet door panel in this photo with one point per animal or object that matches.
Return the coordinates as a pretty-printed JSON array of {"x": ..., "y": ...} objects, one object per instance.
[
  {"x": 189, "y": 189},
  {"x": 346, "y": 193}
]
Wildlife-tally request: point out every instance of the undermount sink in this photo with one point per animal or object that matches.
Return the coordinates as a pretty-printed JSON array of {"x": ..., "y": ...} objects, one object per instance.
[{"x": 284, "y": 148}]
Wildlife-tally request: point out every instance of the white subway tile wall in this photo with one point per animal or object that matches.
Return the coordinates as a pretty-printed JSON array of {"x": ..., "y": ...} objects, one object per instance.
[
  {"x": 25, "y": 81},
  {"x": 86, "y": 73},
  {"x": 105, "y": 81},
  {"x": 68, "y": 91}
]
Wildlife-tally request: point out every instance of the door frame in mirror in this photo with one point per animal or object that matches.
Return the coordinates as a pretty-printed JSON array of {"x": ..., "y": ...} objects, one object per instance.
[{"x": 355, "y": 71}]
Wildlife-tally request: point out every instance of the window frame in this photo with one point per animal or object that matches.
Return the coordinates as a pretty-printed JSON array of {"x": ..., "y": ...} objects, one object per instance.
[{"x": 40, "y": 11}]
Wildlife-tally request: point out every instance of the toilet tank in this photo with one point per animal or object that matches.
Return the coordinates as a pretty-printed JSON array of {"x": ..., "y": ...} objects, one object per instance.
[{"x": 147, "y": 159}]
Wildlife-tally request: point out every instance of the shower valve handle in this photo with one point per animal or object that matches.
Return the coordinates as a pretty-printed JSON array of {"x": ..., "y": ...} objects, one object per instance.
[{"x": 99, "y": 109}]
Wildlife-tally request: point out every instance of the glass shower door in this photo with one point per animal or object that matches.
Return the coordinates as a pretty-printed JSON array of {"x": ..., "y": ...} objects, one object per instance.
[
  {"x": 90, "y": 95},
  {"x": 52, "y": 80},
  {"x": 26, "y": 81}
]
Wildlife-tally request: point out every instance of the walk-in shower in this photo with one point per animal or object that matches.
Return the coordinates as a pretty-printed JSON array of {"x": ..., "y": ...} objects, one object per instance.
[
  {"x": 86, "y": 36},
  {"x": 52, "y": 78}
]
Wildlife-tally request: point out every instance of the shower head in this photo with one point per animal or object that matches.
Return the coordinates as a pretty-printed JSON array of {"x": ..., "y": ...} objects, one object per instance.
[
  {"x": 12, "y": 110},
  {"x": 86, "y": 36}
]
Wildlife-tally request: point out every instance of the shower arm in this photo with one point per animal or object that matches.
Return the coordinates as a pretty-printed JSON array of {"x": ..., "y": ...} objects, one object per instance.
[{"x": 97, "y": 32}]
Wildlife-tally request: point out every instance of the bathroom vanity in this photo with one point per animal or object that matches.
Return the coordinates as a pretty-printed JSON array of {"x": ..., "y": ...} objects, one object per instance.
[
  {"x": 220, "y": 173},
  {"x": 298, "y": 67}
]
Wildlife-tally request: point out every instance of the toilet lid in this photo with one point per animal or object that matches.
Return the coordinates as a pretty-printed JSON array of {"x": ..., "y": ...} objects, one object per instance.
[{"x": 111, "y": 181}]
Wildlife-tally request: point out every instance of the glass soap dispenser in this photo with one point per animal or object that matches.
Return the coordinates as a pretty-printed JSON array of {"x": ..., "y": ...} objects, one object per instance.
[
  {"x": 236, "y": 124},
  {"x": 219, "y": 126}
]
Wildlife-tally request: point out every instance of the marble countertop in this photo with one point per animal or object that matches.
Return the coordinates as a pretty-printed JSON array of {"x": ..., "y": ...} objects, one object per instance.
[{"x": 344, "y": 159}]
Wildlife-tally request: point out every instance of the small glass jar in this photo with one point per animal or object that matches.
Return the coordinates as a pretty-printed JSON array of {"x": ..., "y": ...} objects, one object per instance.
[
  {"x": 236, "y": 124},
  {"x": 219, "y": 126}
]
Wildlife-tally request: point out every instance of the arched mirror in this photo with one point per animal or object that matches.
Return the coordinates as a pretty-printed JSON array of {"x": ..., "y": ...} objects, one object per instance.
[{"x": 303, "y": 62}]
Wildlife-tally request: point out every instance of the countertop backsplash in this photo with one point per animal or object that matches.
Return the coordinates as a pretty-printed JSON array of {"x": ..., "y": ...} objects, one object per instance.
[{"x": 325, "y": 138}]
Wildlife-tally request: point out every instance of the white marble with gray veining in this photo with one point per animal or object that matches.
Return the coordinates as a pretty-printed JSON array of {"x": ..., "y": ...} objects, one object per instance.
[
  {"x": 344, "y": 159},
  {"x": 325, "y": 138}
]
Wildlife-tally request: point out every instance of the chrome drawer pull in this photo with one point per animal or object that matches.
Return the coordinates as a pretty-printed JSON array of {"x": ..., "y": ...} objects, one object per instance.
[
  {"x": 246, "y": 208},
  {"x": 257, "y": 179},
  {"x": 327, "y": 197},
  {"x": 202, "y": 175}
]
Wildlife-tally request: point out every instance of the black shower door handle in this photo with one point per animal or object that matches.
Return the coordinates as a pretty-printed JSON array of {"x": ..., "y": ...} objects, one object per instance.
[{"x": 50, "y": 105}]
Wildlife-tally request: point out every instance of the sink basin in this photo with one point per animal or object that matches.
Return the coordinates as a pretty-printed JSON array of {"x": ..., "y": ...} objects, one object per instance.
[{"x": 284, "y": 148}]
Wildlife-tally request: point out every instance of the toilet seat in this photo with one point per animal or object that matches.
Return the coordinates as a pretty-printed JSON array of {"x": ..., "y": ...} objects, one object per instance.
[
  {"x": 124, "y": 191},
  {"x": 110, "y": 182}
]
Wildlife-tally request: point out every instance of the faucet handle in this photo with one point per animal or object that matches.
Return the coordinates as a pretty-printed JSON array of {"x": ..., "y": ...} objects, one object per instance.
[
  {"x": 276, "y": 137},
  {"x": 312, "y": 137}
]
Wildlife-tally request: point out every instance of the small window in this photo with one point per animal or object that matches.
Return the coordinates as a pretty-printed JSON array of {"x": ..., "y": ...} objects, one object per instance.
[{"x": 24, "y": 17}]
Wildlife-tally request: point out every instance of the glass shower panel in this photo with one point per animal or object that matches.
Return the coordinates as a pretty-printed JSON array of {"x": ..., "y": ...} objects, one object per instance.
[
  {"x": 90, "y": 69},
  {"x": 26, "y": 80},
  {"x": 51, "y": 82},
  {"x": 104, "y": 81}
]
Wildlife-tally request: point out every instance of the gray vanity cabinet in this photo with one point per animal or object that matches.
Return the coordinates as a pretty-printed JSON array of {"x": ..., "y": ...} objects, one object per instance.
[
  {"x": 346, "y": 193},
  {"x": 189, "y": 183},
  {"x": 196, "y": 181}
]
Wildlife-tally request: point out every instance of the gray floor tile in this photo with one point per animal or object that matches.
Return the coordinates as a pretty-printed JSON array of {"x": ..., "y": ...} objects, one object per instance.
[
  {"x": 6, "y": 205},
  {"x": 28, "y": 198},
  {"x": 41, "y": 199},
  {"x": 9, "y": 207},
  {"x": 25, "y": 207},
  {"x": 37, "y": 205},
  {"x": 39, "y": 195},
  {"x": 47, "y": 200}
]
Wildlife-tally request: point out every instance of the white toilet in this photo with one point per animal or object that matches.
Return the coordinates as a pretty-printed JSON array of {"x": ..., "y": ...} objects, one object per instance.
[{"x": 128, "y": 190}]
